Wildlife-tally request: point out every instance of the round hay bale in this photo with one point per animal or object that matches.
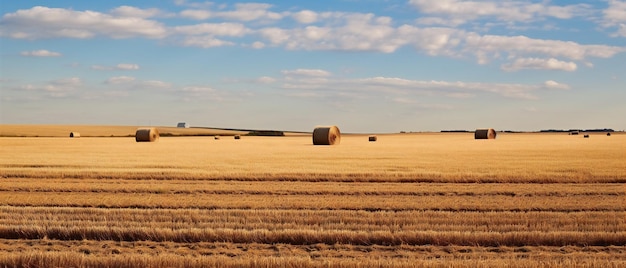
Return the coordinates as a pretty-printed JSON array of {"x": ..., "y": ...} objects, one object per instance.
[
  {"x": 586, "y": 136},
  {"x": 74, "y": 135},
  {"x": 237, "y": 137},
  {"x": 373, "y": 138},
  {"x": 608, "y": 134},
  {"x": 486, "y": 133},
  {"x": 147, "y": 135},
  {"x": 217, "y": 137},
  {"x": 326, "y": 135}
]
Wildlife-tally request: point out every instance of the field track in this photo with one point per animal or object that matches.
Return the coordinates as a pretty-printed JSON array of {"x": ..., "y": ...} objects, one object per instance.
[{"x": 410, "y": 200}]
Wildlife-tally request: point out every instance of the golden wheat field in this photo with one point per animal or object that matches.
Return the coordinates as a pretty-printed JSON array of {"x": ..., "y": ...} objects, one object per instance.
[{"x": 406, "y": 200}]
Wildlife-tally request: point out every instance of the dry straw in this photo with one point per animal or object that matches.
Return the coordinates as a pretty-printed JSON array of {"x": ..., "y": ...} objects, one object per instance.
[
  {"x": 326, "y": 135},
  {"x": 373, "y": 138},
  {"x": 486, "y": 133},
  {"x": 74, "y": 135},
  {"x": 147, "y": 135}
]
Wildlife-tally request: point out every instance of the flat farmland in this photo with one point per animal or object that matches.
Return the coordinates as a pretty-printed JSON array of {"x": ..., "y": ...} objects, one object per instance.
[{"x": 406, "y": 200}]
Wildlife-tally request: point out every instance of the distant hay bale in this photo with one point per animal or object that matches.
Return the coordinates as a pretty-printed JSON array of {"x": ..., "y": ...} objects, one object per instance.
[
  {"x": 217, "y": 137},
  {"x": 326, "y": 135},
  {"x": 586, "y": 136},
  {"x": 147, "y": 135},
  {"x": 373, "y": 138},
  {"x": 574, "y": 133},
  {"x": 486, "y": 133},
  {"x": 608, "y": 134},
  {"x": 237, "y": 137},
  {"x": 74, "y": 135}
]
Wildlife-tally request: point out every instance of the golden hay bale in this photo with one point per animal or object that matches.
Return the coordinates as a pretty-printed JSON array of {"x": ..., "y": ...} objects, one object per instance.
[
  {"x": 326, "y": 135},
  {"x": 217, "y": 137},
  {"x": 486, "y": 133},
  {"x": 586, "y": 136},
  {"x": 147, "y": 135},
  {"x": 237, "y": 137},
  {"x": 373, "y": 138},
  {"x": 608, "y": 134},
  {"x": 74, "y": 135}
]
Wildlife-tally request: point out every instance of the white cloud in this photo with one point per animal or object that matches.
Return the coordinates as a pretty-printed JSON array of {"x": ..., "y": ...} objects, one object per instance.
[
  {"x": 43, "y": 22},
  {"x": 121, "y": 66},
  {"x": 555, "y": 85},
  {"x": 342, "y": 31},
  {"x": 206, "y": 41},
  {"x": 258, "y": 45},
  {"x": 197, "y": 89},
  {"x": 506, "y": 11},
  {"x": 67, "y": 82},
  {"x": 307, "y": 72},
  {"x": 491, "y": 46},
  {"x": 101, "y": 67},
  {"x": 127, "y": 66},
  {"x": 56, "y": 88},
  {"x": 156, "y": 84},
  {"x": 249, "y": 12},
  {"x": 195, "y": 14},
  {"x": 40, "y": 53},
  {"x": 305, "y": 16},
  {"x": 128, "y": 11},
  {"x": 206, "y": 4},
  {"x": 542, "y": 64},
  {"x": 314, "y": 81},
  {"x": 219, "y": 29},
  {"x": 615, "y": 12},
  {"x": 120, "y": 80},
  {"x": 615, "y": 16},
  {"x": 242, "y": 12},
  {"x": 266, "y": 80},
  {"x": 622, "y": 30}
]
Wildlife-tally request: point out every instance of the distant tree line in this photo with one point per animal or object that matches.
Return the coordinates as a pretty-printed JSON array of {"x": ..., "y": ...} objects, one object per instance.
[{"x": 578, "y": 130}]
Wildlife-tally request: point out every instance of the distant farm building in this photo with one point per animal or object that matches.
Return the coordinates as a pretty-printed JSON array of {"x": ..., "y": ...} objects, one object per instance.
[{"x": 182, "y": 125}]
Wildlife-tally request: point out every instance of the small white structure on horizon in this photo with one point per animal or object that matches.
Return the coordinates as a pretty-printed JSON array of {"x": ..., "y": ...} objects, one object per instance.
[{"x": 183, "y": 125}]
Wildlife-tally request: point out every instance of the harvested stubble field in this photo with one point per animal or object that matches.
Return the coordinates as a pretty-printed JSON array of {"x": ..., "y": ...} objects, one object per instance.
[{"x": 434, "y": 200}]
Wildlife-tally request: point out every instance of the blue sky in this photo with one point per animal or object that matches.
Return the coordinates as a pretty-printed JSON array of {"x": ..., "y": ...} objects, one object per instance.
[{"x": 365, "y": 66}]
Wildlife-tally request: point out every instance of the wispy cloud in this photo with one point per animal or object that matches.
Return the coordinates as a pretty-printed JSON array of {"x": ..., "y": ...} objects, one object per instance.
[
  {"x": 121, "y": 66},
  {"x": 40, "y": 53},
  {"x": 127, "y": 66},
  {"x": 307, "y": 72},
  {"x": 615, "y": 16},
  {"x": 43, "y": 22},
  {"x": 541, "y": 64},
  {"x": 120, "y": 80},
  {"x": 509, "y": 11},
  {"x": 56, "y": 88},
  {"x": 398, "y": 88},
  {"x": 128, "y": 11},
  {"x": 241, "y": 12}
]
